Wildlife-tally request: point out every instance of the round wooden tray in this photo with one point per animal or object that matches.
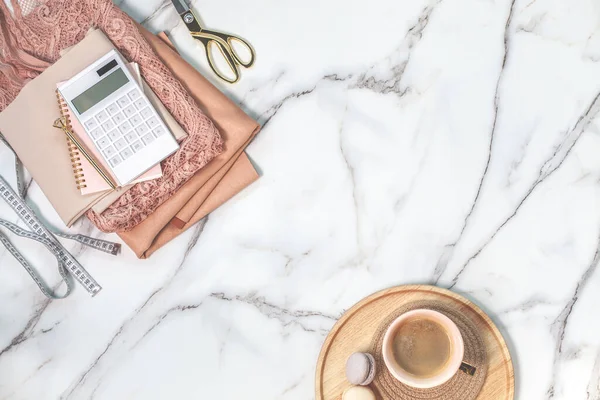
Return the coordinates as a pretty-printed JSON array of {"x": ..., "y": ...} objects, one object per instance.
[{"x": 356, "y": 328}]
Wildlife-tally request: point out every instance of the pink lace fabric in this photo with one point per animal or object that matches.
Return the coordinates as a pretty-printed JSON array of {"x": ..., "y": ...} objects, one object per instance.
[{"x": 29, "y": 43}]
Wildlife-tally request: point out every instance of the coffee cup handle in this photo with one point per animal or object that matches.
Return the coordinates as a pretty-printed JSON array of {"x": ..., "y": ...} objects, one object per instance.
[{"x": 467, "y": 368}]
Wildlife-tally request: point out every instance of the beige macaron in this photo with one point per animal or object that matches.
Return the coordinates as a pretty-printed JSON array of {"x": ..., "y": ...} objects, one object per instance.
[{"x": 358, "y": 393}]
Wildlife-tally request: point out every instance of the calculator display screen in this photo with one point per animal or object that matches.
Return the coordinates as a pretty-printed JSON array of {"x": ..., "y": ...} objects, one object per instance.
[{"x": 100, "y": 91}]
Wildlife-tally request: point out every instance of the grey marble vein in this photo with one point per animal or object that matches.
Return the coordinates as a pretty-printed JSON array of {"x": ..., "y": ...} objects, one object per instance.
[
  {"x": 293, "y": 385},
  {"x": 559, "y": 326},
  {"x": 28, "y": 330},
  {"x": 412, "y": 38},
  {"x": 557, "y": 159},
  {"x": 123, "y": 328},
  {"x": 593, "y": 388},
  {"x": 525, "y": 306},
  {"x": 266, "y": 117},
  {"x": 178, "y": 308},
  {"x": 81, "y": 380},
  {"x": 284, "y": 315},
  {"x": 365, "y": 80},
  {"x": 440, "y": 267}
]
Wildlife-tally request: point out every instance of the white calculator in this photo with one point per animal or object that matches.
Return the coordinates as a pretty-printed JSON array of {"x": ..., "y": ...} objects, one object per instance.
[{"x": 118, "y": 117}]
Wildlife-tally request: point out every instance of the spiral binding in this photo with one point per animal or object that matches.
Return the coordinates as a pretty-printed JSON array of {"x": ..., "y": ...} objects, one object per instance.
[{"x": 73, "y": 151}]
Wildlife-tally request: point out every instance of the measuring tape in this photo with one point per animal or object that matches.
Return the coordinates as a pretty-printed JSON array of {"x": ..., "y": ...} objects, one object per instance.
[{"x": 38, "y": 232}]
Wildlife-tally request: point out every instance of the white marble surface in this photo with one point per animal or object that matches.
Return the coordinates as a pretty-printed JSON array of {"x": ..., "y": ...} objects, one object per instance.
[{"x": 454, "y": 142}]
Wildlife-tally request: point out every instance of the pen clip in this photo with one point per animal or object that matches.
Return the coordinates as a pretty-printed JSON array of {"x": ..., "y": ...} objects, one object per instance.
[{"x": 61, "y": 123}]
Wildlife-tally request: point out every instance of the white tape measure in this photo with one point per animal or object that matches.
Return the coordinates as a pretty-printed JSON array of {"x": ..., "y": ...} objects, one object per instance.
[{"x": 38, "y": 232}]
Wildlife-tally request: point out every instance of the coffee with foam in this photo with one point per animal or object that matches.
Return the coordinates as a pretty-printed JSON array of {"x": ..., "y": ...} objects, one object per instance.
[{"x": 422, "y": 347}]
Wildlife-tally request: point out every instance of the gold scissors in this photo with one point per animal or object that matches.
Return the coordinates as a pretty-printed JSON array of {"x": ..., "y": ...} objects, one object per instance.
[{"x": 223, "y": 41}]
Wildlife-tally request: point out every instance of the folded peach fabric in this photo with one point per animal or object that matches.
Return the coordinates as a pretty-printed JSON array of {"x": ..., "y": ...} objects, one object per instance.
[{"x": 217, "y": 182}]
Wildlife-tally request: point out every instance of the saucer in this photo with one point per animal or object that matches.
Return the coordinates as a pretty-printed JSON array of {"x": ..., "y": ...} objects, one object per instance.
[{"x": 359, "y": 329}]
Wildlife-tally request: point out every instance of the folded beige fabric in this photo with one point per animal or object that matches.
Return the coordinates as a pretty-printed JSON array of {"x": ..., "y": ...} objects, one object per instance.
[
  {"x": 27, "y": 125},
  {"x": 221, "y": 179}
]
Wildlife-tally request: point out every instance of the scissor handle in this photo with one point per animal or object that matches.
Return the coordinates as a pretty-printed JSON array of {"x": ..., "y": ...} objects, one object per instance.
[
  {"x": 228, "y": 39},
  {"x": 224, "y": 42},
  {"x": 246, "y": 64},
  {"x": 227, "y": 54}
]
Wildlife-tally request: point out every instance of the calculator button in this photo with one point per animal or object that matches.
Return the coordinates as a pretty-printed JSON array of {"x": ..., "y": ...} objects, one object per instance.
[
  {"x": 102, "y": 116},
  {"x": 103, "y": 142},
  {"x": 118, "y": 118},
  {"x": 137, "y": 146},
  {"x": 109, "y": 152},
  {"x": 142, "y": 129},
  {"x": 91, "y": 124},
  {"x": 125, "y": 127},
  {"x": 108, "y": 125},
  {"x": 114, "y": 135},
  {"x": 134, "y": 95},
  {"x": 131, "y": 137},
  {"x": 159, "y": 131},
  {"x": 113, "y": 109},
  {"x": 116, "y": 160},
  {"x": 123, "y": 101},
  {"x": 136, "y": 119},
  {"x": 129, "y": 110},
  {"x": 140, "y": 103},
  {"x": 96, "y": 133},
  {"x": 121, "y": 144},
  {"x": 126, "y": 153},
  {"x": 152, "y": 122},
  {"x": 148, "y": 139},
  {"x": 146, "y": 113}
]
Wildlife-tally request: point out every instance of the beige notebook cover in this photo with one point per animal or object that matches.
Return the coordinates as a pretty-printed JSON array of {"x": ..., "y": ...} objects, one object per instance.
[{"x": 27, "y": 125}]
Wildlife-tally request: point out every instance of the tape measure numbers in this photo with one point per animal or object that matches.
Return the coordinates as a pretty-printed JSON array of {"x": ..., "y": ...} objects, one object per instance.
[
  {"x": 41, "y": 234},
  {"x": 66, "y": 262}
]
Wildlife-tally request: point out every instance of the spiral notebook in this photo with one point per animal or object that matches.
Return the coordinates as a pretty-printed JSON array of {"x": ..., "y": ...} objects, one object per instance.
[{"x": 87, "y": 179}]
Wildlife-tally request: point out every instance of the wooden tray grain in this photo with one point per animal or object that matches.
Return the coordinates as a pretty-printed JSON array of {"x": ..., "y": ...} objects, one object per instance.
[{"x": 357, "y": 327}]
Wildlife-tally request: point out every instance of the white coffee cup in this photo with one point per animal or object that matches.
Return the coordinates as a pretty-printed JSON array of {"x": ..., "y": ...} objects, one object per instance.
[{"x": 444, "y": 372}]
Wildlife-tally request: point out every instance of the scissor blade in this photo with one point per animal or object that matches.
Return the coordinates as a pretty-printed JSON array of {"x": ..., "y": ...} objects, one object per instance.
[{"x": 181, "y": 6}]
